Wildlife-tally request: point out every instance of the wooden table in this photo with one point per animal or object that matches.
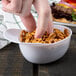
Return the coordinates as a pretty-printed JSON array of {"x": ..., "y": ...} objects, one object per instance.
[{"x": 12, "y": 63}]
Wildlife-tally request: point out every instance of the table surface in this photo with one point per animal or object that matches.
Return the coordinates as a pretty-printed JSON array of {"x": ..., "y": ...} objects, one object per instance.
[{"x": 12, "y": 63}]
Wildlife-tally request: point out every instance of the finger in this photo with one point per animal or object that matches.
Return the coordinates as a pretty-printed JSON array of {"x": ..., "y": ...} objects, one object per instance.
[
  {"x": 50, "y": 24},
  {"x": 16, "y": 5},
  {"x": 4, "y": 3},
  {"x": 50, "y": 27},
  {"x": 41, "y": 26},
  {"x": 29, "y": 22},
  {"x": 44, "y": 20},
  {"x": 6, "y": 10},
  {"x": 26, "y": 7},
  {"x": 9, "y": 11},
  {"x": 44, "y": 24}
]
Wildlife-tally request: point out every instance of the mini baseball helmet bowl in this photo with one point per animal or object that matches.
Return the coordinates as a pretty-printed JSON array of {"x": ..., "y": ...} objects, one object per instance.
[{"x": 37, "y": 52}]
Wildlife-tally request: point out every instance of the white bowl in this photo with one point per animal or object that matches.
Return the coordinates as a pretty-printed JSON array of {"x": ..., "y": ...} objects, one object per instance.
[{"x": 42, "y": 53}]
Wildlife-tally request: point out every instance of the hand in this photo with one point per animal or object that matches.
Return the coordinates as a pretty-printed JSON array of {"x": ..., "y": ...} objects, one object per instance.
[
  {"x": 23, "y": 7},
  {"x": 44, "y": 19}
]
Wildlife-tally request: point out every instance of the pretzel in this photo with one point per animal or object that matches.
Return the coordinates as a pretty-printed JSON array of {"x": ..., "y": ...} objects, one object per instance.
[
  {"x": 59, "y": 34},
  {"x": 66, "y": 32},
  {"x": 56, "y": 36},
  {"x": 22, "y": 35}
]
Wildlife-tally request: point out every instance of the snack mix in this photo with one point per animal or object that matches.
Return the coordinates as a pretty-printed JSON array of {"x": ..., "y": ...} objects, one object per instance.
[{"x": 56, "y": 36}]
